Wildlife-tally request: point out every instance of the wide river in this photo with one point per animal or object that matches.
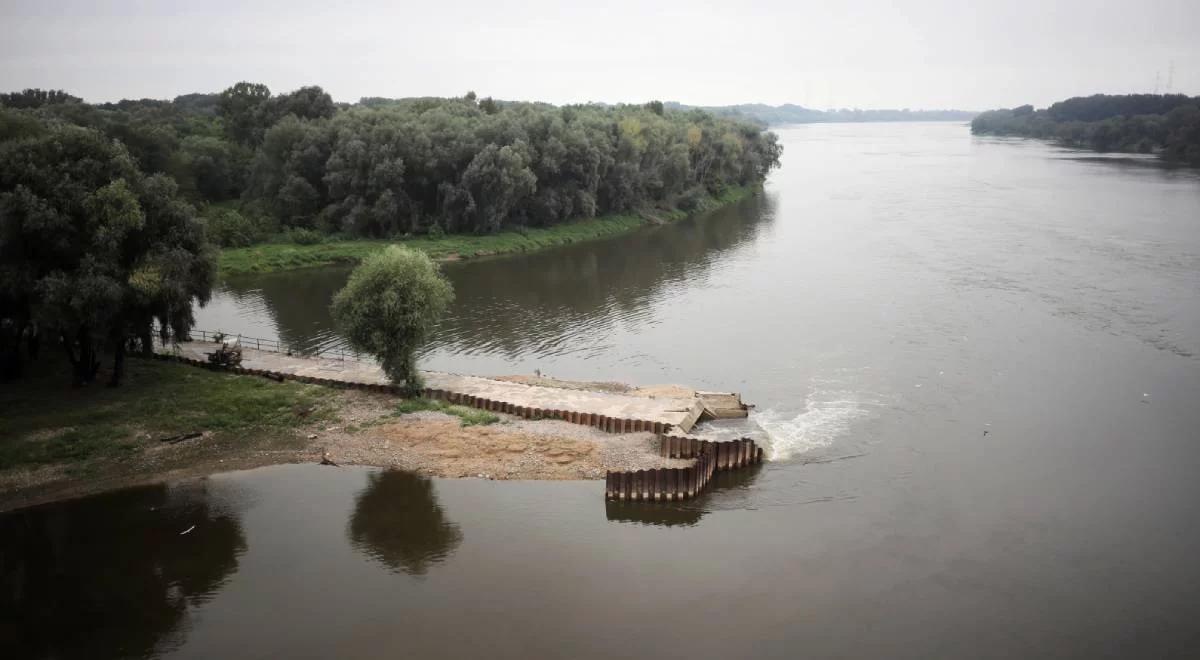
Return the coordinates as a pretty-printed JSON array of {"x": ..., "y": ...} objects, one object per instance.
[{"x": 977, "y": 362}]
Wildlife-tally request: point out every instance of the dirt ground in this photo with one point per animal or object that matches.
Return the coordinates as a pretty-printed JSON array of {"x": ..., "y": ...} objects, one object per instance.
[{"x": 366, "y": 431}]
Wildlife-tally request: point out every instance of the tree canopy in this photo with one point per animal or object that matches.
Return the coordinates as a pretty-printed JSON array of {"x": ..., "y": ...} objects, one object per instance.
[
  {"x": 1166, "y": 124},
  {"x": 92, "y": 250},
  {"x": 388, "y": 307},
  {"x": 266, "y": 163}
]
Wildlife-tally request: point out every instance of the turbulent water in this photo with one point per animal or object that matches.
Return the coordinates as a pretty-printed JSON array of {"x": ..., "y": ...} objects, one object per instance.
[{"x": 978, "y": 364}]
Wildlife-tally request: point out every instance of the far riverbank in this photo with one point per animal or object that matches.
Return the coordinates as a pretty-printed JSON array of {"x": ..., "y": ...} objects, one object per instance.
[{"x": 273, "y": 257}]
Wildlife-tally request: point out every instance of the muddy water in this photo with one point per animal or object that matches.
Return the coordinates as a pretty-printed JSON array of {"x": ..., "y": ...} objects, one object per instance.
[{"x": 978, "y": 361}]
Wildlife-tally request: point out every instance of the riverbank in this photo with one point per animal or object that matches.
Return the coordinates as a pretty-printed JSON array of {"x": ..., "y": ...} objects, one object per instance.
[
  {"x": 272, "y": 257},
  {"x": 57, "y": 442}
]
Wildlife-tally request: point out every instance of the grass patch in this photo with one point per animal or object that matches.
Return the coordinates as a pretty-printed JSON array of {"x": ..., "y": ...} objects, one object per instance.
[
  {"x": 468, "y": 416},
  {"x": 45, "y": 421},
  {"x": 271, "y": 257}
]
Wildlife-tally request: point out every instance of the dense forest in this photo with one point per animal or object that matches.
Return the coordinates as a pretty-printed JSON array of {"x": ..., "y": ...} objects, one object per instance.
[
  {"x": 789, "y": 113},
  {"x": 1166, "y": 124},
  {"x": 258, "y": 164},
  {"x": 109, "y": 213}
]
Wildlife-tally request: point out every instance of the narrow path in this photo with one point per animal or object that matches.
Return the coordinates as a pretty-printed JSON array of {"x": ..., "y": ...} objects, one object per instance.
[{"x": 581, "y": 406}]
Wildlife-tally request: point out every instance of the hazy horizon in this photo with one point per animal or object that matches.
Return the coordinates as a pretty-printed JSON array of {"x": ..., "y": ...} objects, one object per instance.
[{"x": 927, "y": 55}]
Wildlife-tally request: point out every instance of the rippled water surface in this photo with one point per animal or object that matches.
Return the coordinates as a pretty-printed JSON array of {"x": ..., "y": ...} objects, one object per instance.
[{"x": 978, "y": 362}]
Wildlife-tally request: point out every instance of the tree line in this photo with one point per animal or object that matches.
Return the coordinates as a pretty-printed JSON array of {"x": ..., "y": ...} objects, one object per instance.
[
  {"x": 110, "y": 212},
  {"x": 1166, "y": 124},
  {"x": 790, "y": 113}
]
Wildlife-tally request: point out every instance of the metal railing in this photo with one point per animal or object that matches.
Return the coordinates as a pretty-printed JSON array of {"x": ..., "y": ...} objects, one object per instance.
[{"x": 276, "y": 346}]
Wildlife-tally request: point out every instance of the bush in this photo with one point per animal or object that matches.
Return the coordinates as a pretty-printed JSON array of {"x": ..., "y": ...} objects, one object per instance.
[
  {"x": 229, "y": 228},
  {"x": 692, "y": 199},
  {"x": 389, "y": 305}
]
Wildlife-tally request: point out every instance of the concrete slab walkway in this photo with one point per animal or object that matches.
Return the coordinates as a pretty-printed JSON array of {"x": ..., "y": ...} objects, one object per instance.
[{"x": 583, "y": 406}]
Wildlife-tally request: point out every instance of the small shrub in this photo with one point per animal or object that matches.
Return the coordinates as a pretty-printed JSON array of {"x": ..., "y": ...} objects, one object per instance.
[
  {"x": 301, "y": 236},
  {"x": 229, "y": 228}
]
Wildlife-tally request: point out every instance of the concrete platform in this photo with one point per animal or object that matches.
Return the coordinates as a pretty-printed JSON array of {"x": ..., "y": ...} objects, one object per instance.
[{"x": 679, "y": 412}]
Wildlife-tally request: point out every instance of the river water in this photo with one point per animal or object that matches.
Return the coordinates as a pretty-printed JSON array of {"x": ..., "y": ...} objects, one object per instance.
[{"x": 977, "y": 361}]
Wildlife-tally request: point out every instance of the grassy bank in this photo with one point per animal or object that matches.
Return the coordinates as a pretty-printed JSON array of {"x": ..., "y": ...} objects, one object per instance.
[
  {"x": 86, "y": 431},
  {"x": 271, "y": 257}
]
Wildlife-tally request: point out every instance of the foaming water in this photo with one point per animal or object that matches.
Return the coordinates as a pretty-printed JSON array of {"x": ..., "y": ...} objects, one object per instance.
[{"x": 828, "y": 416}]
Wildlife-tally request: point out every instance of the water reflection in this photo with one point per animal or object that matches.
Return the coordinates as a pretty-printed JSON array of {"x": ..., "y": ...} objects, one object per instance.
[
  {"x": 571, "y": 300},
  {"x": 290, "y": 306},
  {"x": 397, "y": 521},
  {"x": 112, "y": 575},
  {"x": 549, "y": 303},
  {"x": 687, "y": 513}
]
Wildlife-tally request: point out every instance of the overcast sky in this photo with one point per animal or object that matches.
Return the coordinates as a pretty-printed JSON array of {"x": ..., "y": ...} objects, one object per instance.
[{"x": 868, "y": 53}]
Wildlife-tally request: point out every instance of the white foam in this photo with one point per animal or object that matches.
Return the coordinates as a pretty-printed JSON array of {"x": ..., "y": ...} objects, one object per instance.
[{"x": 827, "y": 416}]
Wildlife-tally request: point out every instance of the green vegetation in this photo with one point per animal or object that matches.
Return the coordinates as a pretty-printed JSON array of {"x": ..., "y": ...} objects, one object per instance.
[
  {"x": 388, "y": 307},
  {"x": 45, "y": 422},
  {"x": 92, "y": 252},
  {"x": 469, "y": 416},
  {"x": 108, "y": 212},
  {"x": 270, "y": 257},
  {"x": 1166, "y": 124},
  {"x": 261, "y": 165}
]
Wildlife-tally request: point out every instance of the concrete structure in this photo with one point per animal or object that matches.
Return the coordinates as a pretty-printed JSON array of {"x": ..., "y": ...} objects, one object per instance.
[{"x": 612, "y": 412}]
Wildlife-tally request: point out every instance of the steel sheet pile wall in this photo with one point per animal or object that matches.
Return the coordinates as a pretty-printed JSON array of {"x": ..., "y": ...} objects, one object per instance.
[
  {"x": 601, "y": 422},
  {"x": 672, "y": 484}
]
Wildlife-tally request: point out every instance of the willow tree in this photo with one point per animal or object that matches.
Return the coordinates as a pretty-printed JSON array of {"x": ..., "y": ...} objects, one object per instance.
[
  {"x": 94, "y": 252},
  {"x": 388, "y": 308}
]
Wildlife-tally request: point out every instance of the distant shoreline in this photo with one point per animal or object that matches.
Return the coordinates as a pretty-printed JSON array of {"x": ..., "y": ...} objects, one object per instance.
[{"x": 790, "y": 114}]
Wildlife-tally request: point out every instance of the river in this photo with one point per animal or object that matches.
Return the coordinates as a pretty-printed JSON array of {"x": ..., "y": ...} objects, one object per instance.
[{"x": 977, "y": 361}]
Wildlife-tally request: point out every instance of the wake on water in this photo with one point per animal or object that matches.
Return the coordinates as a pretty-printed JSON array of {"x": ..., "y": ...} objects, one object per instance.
[{"x": 827, "y": 416}]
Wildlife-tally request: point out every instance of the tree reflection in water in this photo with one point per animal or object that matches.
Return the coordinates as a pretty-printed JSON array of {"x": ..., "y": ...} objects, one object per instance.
[
  {"x": 532, "y": 304},
  {"x": 397, "y": 520},
  {"x": 111, "y": 575}
]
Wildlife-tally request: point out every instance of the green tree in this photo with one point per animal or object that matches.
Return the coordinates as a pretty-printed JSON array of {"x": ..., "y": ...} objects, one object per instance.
[
  {"x": 389, "y": 306},
  {"x": 93, "y": 252},
  {"x": 36, "y": 98},
  {"x": 243, "y": 107},
  {"x": 497, "y": 179}
]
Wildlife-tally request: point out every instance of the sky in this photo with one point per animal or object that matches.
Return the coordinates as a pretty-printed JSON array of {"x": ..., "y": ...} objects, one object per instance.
[{"x": 929, "y": 54}]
